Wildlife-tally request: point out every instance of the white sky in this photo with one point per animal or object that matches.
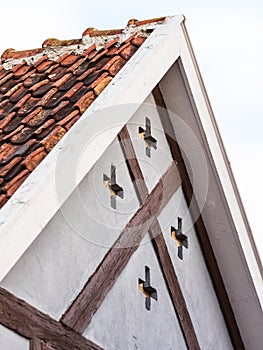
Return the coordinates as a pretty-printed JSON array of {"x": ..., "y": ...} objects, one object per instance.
[{"x": 227, "y": 37}]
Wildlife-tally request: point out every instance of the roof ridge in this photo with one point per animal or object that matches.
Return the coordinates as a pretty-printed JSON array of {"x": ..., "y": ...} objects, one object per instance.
[{"x": 54, "y": 48}]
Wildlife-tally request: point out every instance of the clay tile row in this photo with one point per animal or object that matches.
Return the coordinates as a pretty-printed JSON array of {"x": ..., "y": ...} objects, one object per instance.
[
  {"x": 39, "y": 103},
  {"x": 11, "y": 53}
]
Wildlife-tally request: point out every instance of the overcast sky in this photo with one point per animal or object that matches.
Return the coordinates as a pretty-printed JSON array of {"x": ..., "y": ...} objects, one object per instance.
[{"x": 227, "y": 37}]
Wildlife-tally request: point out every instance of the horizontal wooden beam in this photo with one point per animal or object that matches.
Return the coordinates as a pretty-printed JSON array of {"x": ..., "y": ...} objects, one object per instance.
[
  {"x": 160, "y": 247},
  {"x": 24, "y": 319},
  {"x": 80, "y": 313},
  {"x": 199, "y": 225}
]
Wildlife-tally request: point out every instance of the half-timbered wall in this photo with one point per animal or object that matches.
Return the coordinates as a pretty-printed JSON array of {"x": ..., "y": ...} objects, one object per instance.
[
  {"x": 52, "y": 272},
  {"x": 59, "y": 262},
  {"x": 123, "y": 322}
]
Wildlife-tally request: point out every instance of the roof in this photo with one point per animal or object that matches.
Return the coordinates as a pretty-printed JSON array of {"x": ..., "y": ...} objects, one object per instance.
[{"x": 44, "y": 91}]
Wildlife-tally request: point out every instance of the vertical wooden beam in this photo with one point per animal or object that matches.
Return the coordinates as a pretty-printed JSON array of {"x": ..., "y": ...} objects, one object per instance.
[
  {"x": 36, "y": 344},
  {"x": 159, "y": 245},
  {"x": 199, "y": 225}
]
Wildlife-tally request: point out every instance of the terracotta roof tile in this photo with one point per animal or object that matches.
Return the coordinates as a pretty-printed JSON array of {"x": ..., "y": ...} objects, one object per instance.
[
  {"x": 111, "y": 43},
  {"x": 72, "y": 122},
  {"x": 18, "y": 92},
  {"x": 13, "y": 185},
  {"x": 6, "y": 77},
  {"x": 69, "y": 60},
  {"x": 53, "y": 137},
  {"x": 148, "y": 21},
  {"x": 117, "y": 66},
  {"x": 4, "y": 170},
  {"x": 34, "y": 158},
  {"x": 44, "y": 65},
  {"x": 128, "y": 51},
  {"x": 85, "y": 101},
  {"x": 138, "y": 41},
  {"x": 67, "y": 119},
  {"x": 105, "y": 32},
  {"x": 6, "y": 120},
  {"x": 39, "y": 118},
  {"x": 33, "y": 79},
  {"x": 43, "y": 92},
  {"x": 3, "y": 200},
  {"x": 21, "y": 70},
  {"x": 102, "y": 84},
  {"x": 57, "y": 42},
  {"x": 11, "y": 53}
]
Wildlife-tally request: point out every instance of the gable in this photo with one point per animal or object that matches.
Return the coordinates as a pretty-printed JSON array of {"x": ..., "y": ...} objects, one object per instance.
[{"x": 134, "y": 83}]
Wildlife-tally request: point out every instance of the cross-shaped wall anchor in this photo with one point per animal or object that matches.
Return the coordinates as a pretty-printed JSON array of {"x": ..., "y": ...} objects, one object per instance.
[
  {"x": 181, "y": 239},
  {"x": 111, "y": 184},
  {"x": 146, "y": 288},
  {"x": 146, "y": 135}
]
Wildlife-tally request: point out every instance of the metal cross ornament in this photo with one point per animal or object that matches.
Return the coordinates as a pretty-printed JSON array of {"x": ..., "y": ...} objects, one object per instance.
[
  {"x": 146, "y": 135},
  {"x": 114, "y": 188},
  {"x": 181, "y": 238},
  {"x": 147, "y": 290}
]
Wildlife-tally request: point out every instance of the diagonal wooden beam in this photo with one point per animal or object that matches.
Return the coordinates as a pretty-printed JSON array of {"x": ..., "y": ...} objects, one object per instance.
[
  {"x": 199, "y": 225},
  {"x": 159, "y": 245},
  {"x": 80, "y": 313},
  {"x": 29, "y": 322}
]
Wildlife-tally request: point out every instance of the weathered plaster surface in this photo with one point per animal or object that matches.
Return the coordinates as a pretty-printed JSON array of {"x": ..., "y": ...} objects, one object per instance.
[
  {"x": 12, "y": 341},
  {"x": 122, "y": 322},
  {"x": 56, "y": 266},
  {"x": 194, "y": 278},
  {"x": 152, "y": 167}
]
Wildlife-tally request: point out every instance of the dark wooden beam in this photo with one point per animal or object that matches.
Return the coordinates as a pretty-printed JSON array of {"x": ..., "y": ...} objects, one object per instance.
[
  {"x": 37, "y": 344},
  {"x": 159, "y": 245},
  {"x": 80, "y": 313},
  {"x": 199, "y": 225},
  {"x": 31, "y": 323}
]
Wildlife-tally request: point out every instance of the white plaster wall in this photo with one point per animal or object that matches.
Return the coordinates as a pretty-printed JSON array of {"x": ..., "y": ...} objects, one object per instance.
[
  {"x": 194, "y": 278},
  {"x": 122, "y": 322},
  {"x": 56, "y": 266},
  {"x": 12, "y": 341},
  {"x": 153, "y": 167}
]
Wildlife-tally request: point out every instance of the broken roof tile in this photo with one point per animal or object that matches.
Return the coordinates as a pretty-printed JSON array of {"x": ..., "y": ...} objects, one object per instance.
[{"x": 43, "y": 92}]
